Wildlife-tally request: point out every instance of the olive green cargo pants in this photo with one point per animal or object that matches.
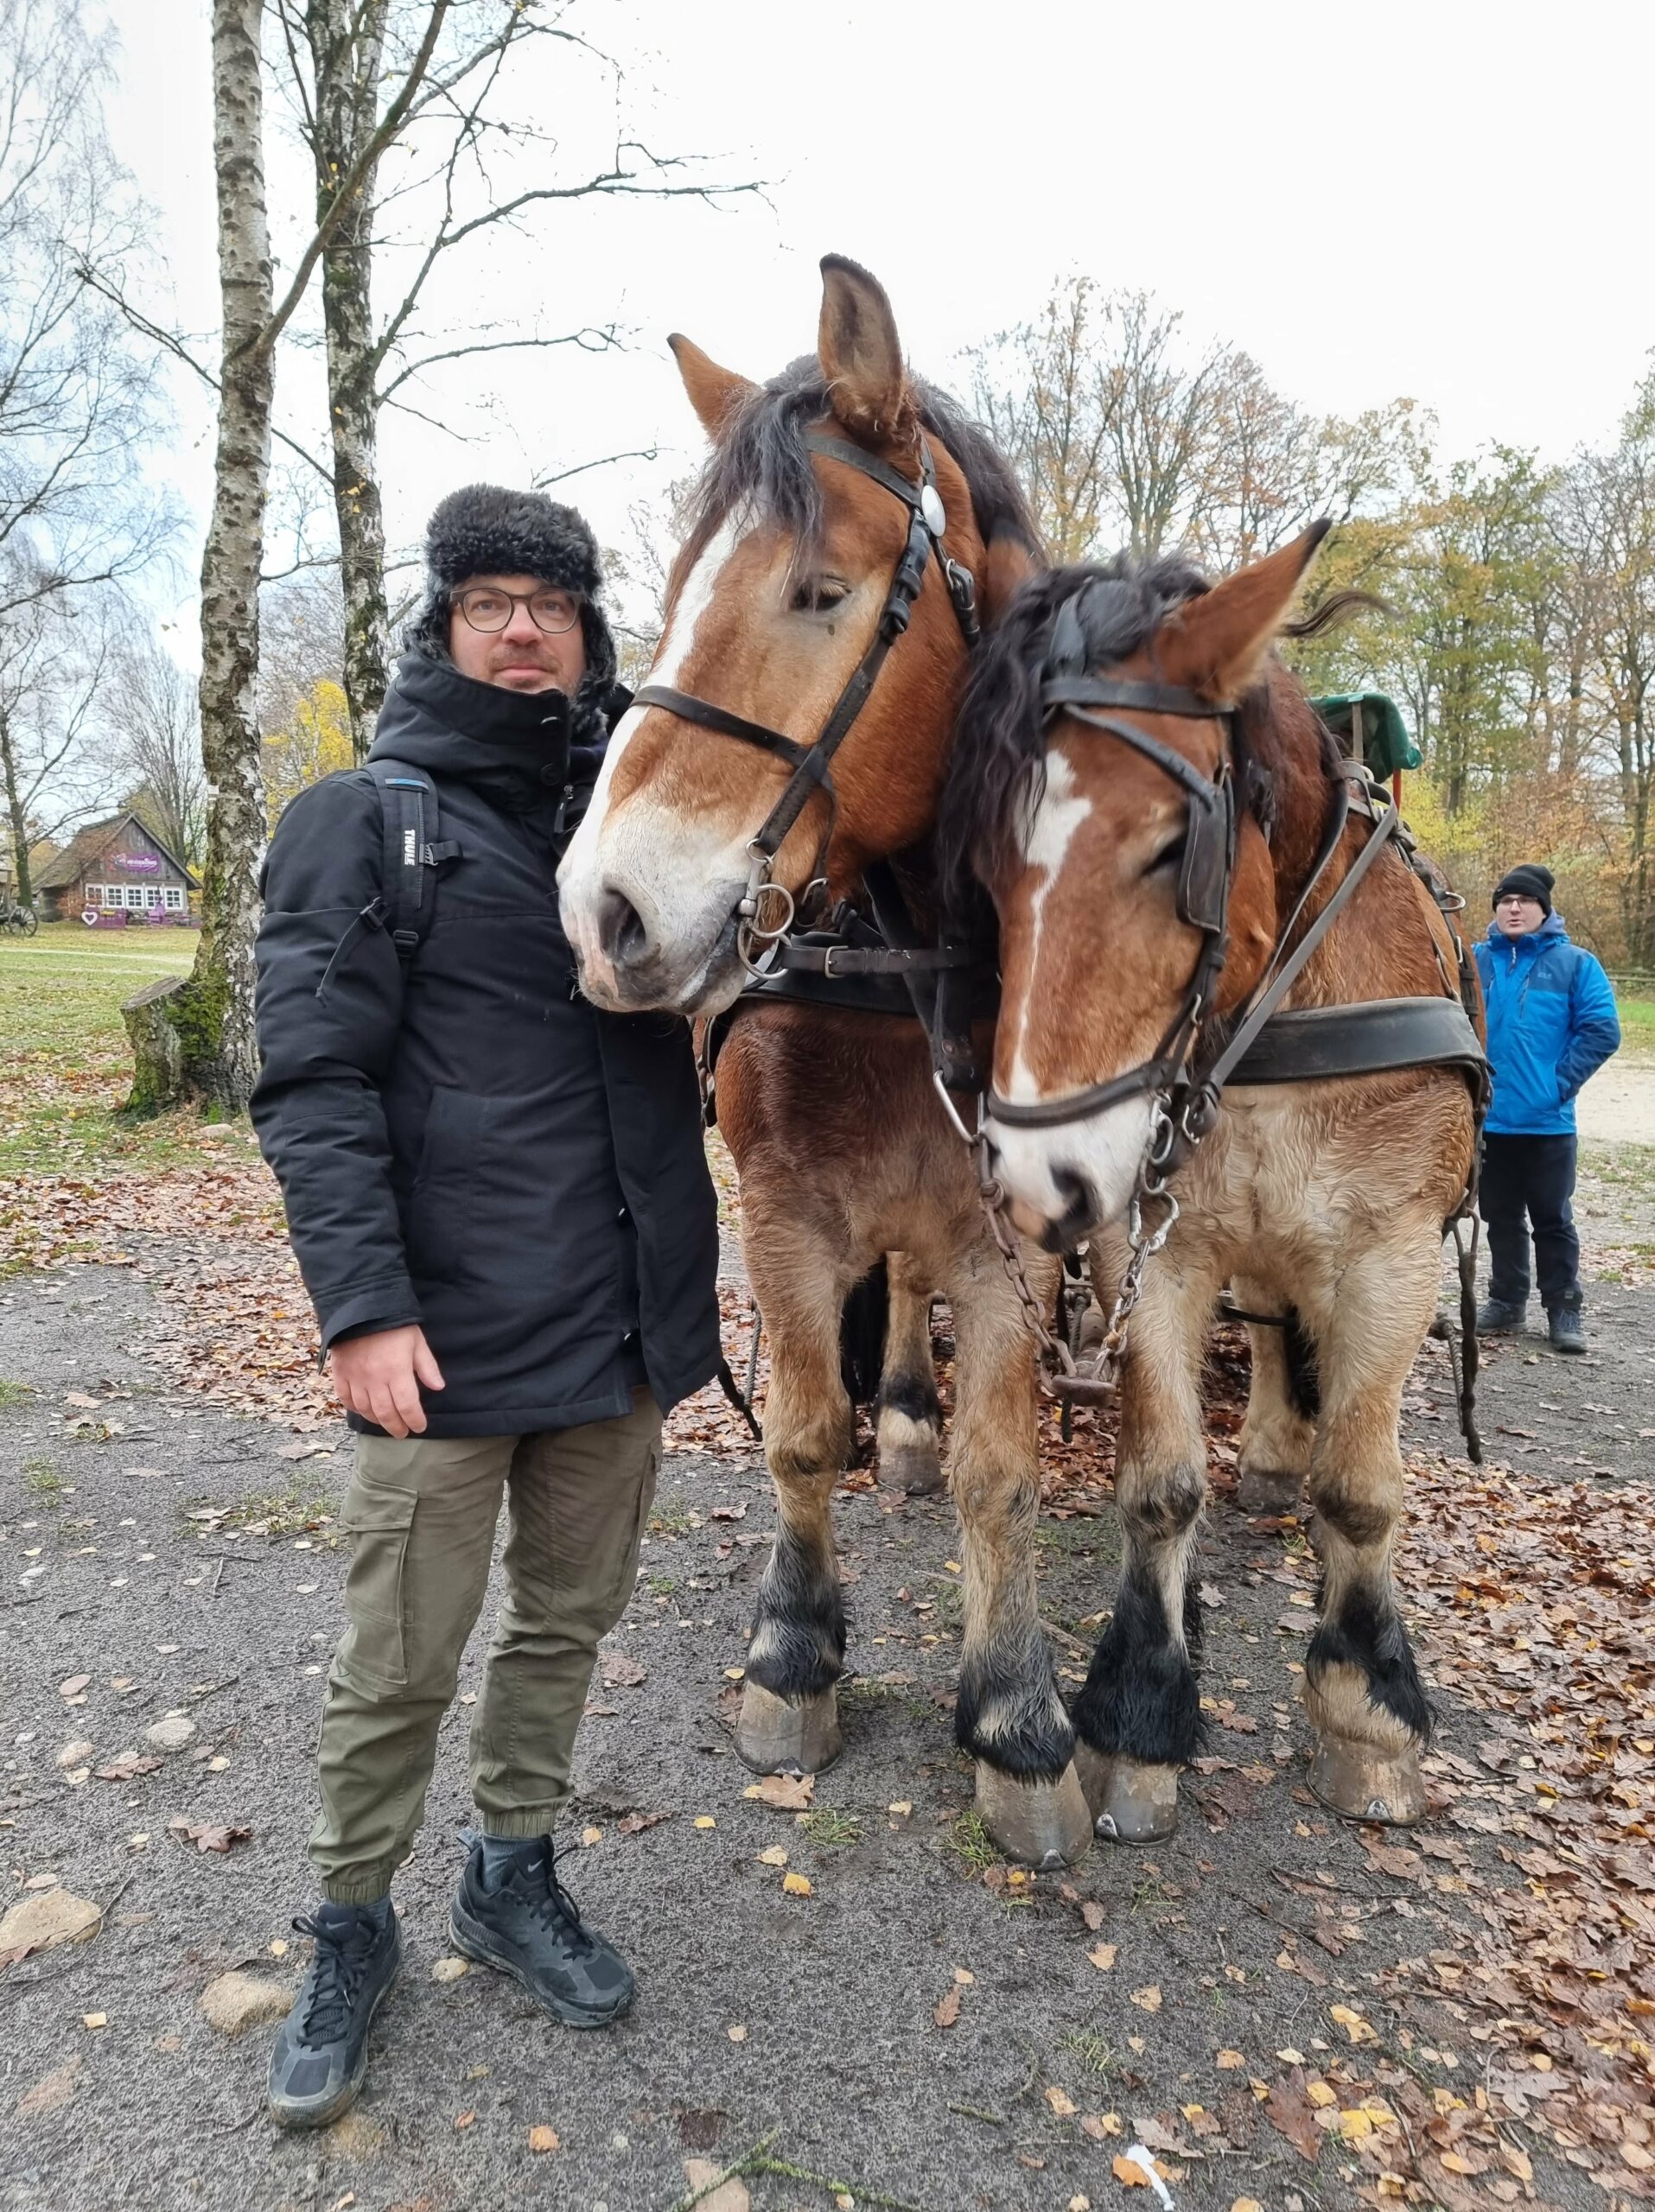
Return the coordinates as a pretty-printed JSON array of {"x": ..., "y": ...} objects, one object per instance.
[{"x": 423, "y": 1513}]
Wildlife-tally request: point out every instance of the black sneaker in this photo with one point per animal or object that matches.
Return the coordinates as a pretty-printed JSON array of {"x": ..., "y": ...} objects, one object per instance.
[
  {"x": 1565, "y": 1329},
  {"x": 1496, "y": 1318},
  {"x": 529, "y": 1927},
  {"x": 322, "y": 2051}
]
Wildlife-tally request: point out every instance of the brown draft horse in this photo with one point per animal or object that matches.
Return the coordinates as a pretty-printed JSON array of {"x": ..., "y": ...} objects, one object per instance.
[
  {"x": 1326, "y": 1197},
  {"x": 844, "y": 1151}
]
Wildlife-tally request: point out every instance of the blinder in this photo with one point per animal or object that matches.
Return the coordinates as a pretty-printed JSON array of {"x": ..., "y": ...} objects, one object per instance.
[{"x": 1204, "y": 874}]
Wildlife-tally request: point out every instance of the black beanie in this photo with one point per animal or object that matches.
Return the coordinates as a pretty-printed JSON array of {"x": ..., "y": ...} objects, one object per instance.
[
  {"x": 485, "y": 529},
  {"x": 1529, "y": 882}
]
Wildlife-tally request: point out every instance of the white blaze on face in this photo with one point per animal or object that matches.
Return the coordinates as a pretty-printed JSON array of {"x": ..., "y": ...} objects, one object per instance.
[
  {"x": 665, "y": 862},
  {"x": 1104, "y": 1148}
]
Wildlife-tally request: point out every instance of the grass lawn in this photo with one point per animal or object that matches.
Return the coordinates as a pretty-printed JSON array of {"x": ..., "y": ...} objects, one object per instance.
[
  {"x": 1637, "y": 1026},
  {"x": 65, "y": 1067}
]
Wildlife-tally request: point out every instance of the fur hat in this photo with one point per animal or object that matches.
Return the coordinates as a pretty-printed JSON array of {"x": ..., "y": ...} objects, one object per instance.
[
  {"x": 1529, "y": 882},
  {"x": 485, "y": 529}
]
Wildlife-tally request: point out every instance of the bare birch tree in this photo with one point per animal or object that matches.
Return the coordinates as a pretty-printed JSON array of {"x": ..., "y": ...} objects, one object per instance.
[
  {"x": 54, "y": 775},
  {"x": 450, "y": 67},
  {"x": 153, "y": 722},
  {"x": 76, "y": 399}
]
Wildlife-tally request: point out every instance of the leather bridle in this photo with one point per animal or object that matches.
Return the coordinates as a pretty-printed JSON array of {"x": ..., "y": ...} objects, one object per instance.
[
  {"x": 768, "y": 910},
  {"x": 1187, "y": 1094}
]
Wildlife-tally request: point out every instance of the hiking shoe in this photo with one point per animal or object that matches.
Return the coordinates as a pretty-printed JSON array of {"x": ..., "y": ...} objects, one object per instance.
[
  {"x": 322, "y": 2051},
  {"x": 529, "y": 1928},
  {"x": 1496, "y": 1318},
  {"x": 1565, "y": 1329}
]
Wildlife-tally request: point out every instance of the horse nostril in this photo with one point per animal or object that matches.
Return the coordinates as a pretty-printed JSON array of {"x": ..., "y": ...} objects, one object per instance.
[{"x": 621, "y": 932}]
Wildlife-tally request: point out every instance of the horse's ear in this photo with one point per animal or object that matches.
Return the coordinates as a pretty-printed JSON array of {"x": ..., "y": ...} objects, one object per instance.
[
  {"x": 1216, "y": 644},
  {"x": 715, "y": 393},
  {"x": 862, "y": 355},
  {"x": 1008, "y": 564}
]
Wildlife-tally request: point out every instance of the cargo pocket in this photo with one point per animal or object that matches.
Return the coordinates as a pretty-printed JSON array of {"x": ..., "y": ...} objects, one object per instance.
[{"x": 372, "y": 1654}]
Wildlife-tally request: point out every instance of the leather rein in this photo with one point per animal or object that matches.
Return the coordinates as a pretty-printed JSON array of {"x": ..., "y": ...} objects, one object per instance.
[{"x": 768, "y": 910}]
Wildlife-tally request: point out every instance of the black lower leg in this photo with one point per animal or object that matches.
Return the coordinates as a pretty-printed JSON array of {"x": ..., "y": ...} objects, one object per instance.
[
  {"x": 1008, "y": 1711},
  {"x": 798, "y": 1645},
  {"x": 1365, "y": 1631},
  {"x": 913, "y": 1395},
  {"x": 1141, "y": 1697}
]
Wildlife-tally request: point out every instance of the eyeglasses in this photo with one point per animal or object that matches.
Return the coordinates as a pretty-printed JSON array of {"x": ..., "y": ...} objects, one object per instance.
[{"x": 486, "y": 609}]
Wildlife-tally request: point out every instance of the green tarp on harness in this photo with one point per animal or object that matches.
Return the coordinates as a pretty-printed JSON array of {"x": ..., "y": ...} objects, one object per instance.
[{"x": 1387, "y": 748}]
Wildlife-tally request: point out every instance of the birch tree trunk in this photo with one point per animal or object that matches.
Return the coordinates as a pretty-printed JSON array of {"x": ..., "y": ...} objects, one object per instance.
[
  {"x": 347, "y": 45},
  {"x": 211, "y": 1013}
]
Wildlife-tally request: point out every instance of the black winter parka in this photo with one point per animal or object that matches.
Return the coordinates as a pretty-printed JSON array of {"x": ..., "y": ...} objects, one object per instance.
[{"x": 465, "y": 1142}]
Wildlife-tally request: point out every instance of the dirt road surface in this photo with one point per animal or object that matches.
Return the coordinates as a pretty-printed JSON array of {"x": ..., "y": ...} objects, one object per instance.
[{"x": 923, "y": 2029}]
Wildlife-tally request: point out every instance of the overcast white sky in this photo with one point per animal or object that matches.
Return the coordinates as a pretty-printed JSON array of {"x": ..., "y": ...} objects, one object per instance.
[{"x": 1448, "y": 198}]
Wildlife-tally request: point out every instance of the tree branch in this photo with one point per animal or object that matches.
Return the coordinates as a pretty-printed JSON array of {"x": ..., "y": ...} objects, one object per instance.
[
  {"x": 389, "y": 124},
  {"x": 171, "y": 343},
  {"x": 562, "y": 475},
  {"x": 589, "y": 339}
]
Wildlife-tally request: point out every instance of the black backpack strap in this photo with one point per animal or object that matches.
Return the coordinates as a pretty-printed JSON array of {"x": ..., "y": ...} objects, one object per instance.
[{"x": 413, "y": 851}]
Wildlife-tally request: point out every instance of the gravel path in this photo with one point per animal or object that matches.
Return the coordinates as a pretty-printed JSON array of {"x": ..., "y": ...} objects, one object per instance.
[{"x": 811, "y": 2020}]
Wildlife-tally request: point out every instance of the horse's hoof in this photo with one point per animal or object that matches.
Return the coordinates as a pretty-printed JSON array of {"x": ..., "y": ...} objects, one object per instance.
[
  {"x": 1363, "y": 1782},
  {"x": 1130, "y": 1802},
  {"x": 778, "y": 1735},
  {"x": 1262, "y": 1490},
  {"x": 1040, "y": 1824},
  {"x": 914, "y": 1468}
]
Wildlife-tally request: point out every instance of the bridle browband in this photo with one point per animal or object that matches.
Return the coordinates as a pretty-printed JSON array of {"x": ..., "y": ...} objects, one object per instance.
[{"x": 762, "y": 923}]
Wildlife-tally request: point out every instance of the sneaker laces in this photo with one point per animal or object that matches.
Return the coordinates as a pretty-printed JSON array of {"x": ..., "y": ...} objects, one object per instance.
[
  {"x": 340, "y": 1966},
  {"x": 555, "y": 1907}
]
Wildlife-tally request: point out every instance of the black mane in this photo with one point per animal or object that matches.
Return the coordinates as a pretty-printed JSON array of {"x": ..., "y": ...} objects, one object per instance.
[
  {"x": 998, "y": 765},
  {"x": 761, "y": 465}
]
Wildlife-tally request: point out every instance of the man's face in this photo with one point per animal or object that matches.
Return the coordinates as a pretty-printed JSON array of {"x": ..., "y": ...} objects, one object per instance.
[
  {"x": 518, "y": 655},
  {"x": 1519, "y": 916}
]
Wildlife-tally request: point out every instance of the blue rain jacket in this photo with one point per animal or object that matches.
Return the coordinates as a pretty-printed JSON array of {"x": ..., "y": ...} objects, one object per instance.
[{"x": 1551, "y": 1023}]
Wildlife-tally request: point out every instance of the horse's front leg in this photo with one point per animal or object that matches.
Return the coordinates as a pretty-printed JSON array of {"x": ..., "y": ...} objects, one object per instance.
[
  {"x": 1362, "y": 1690},
  {"x": 789, "y": 1722},
  {"x": 1008, "y": 1714},
  {"x": 910, "y": 1413},
  {"x": 1138, "y": 1717},
  {"x": 1279, "y": 1434}
]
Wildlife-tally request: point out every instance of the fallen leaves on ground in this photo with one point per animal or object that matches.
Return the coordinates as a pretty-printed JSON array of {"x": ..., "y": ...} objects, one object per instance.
[
  {"x": 208, "y": 1836},
  {"x": 783, "y": 1793},
  {"x": 945, "y": 2011}
]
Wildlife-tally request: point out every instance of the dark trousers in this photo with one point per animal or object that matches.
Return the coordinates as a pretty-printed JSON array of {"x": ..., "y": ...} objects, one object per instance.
[{"x": 1532, "y": 1176}]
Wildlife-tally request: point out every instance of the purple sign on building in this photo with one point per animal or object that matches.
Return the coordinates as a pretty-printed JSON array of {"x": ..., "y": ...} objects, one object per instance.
[{"x": 144, "y": 863}]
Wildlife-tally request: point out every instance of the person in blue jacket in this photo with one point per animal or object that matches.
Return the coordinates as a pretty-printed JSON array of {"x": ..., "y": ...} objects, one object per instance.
[{"x": 1551, "y": 1024}]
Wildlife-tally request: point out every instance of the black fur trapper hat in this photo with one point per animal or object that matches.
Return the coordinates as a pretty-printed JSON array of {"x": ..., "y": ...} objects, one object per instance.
[{"x": 486, "y": 530}]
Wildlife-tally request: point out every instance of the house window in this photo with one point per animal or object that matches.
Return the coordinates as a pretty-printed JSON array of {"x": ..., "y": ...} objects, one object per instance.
[
  {"x": 94, "y": 894},
  {"x": 172, "y": 897},
  {"x": 137, "y": 897}
]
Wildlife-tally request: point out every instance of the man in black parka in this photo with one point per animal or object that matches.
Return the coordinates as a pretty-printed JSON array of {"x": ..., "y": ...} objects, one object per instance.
[{"x": 500, "y": 1202}]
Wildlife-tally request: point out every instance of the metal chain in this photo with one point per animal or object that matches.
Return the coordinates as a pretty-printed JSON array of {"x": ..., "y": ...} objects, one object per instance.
[{"x": 1063, "y": 1376}]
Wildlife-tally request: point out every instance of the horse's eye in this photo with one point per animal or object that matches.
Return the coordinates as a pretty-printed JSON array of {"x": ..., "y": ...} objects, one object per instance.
[
  {"x": 819, "y": 595},
  {"x": 1169, "y": 855}
]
